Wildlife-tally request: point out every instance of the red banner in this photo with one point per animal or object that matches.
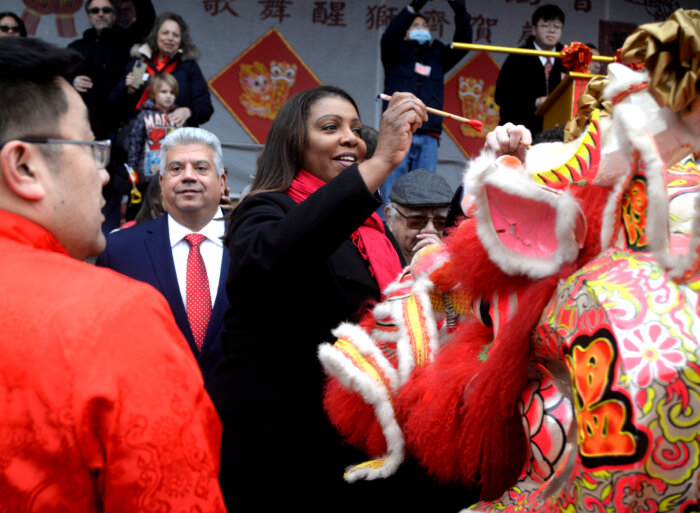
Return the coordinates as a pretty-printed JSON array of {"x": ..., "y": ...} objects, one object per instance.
[
  {"x": 469, "y": 93},
  {"x": 256, "y": 84}
]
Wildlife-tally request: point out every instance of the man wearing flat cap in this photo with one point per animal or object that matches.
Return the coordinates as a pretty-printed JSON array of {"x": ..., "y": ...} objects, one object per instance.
[{"x": 418, "y": 209}]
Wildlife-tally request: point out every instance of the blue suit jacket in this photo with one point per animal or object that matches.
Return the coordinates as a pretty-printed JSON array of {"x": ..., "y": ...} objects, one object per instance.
[{"x": 143, "y": 252}]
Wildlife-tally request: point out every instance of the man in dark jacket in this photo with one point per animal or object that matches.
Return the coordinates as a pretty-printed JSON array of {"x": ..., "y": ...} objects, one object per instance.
[
  {"x": 525, "y": 80},
  {"x": 105, "y": 50},
  {"x": 416, "y": 63}
]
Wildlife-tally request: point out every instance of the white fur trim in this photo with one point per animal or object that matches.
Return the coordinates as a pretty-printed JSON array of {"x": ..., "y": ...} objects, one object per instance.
[
  {"x": 364, "y": 344},
  {"x": 684, "y": 263},
  {"x": 621, "y": 79},
  {"x": 336, "y": 364},
  {"x": 489, "y": 172},
  {"x": 662, "y": 138},
  {"x": 397, "y": 283}
]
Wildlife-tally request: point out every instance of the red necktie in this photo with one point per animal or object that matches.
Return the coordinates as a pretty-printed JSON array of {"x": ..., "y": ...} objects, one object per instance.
[
  {"x": 198, "y": 297},
  {"x": 547, "y": 72}
]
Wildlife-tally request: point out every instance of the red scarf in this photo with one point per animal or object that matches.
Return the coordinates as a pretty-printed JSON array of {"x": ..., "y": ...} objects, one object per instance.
[
  {"x": 161, "y": 66},
  {"x": 369, "y": 238}
]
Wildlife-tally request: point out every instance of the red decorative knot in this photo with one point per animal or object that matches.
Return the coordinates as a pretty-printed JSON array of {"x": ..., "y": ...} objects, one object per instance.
[
  {"x": 577, "y": 57},
  {"x": 636, "y": 66},
  {"x": 631, "y": 90}
]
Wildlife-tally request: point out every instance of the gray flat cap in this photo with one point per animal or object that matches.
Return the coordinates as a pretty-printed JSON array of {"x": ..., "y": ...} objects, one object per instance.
[{"x": 421, "y": 188}]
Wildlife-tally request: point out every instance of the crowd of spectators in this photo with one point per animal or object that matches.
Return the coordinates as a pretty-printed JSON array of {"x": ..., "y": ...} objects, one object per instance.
[{"x": 250, "y": 297}]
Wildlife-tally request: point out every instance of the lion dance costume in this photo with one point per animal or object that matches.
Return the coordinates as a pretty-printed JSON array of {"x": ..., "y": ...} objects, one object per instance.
[{"x": 548, "y": 351}]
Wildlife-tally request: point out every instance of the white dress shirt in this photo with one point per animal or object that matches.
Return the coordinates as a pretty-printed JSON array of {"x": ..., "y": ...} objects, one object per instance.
[
  {"x": 212, "y": 251},
  {"x": 543, "y": 59}
]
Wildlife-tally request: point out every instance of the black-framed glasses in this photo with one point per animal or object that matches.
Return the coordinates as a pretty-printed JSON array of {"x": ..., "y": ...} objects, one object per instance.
[
  {"x": 8, "y": 29},
  {"x": 418, "y": 222},
  {"x": 550, "y": 26},
  {"x": 100, "y": 149},
  {"x": 96, "y": 10}
]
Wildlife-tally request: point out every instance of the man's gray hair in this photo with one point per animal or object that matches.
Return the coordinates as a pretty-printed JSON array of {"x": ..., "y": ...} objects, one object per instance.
[
  {"x": 391, "y": 217},
  {"x": 191, "y": 135}
]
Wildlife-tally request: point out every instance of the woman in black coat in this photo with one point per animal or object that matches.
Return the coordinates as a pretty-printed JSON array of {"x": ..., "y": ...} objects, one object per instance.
[
  {"x": 168, "y": 48},
  {"x": 307, "y": 253}
]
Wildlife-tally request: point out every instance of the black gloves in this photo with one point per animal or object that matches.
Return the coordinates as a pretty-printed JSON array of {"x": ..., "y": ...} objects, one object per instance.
[
  {"x": 458, "y": 6},
  {"x": 417, "y": 5}
]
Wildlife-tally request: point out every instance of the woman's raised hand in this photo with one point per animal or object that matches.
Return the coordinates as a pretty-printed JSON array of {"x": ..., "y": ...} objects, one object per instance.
[{"x": 404, "y": 115}]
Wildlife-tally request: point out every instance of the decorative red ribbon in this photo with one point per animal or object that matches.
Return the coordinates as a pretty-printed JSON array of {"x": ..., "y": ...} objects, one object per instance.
[
  {"x": 577, "y": 57},
  {"x": 636, "y": 66},
  {"x": 631, "y": 90},
  {"x": 165, "y": 67}
]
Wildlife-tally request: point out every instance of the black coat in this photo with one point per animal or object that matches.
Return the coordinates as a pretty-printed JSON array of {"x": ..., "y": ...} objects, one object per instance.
[
  {"x": 520, "y": 82},
  {"x": 104, "y": 58},
  {"x": 399, "y": 58},
  {"x": 294, "y": 276}
]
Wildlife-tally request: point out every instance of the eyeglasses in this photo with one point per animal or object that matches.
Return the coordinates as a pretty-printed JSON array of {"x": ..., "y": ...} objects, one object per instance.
[
  {"x": 8, "y": 29},
  {"x": 100, "y": 149},
  {"x": 96, "y": 10},
  {"x": 419, "y": 222},
  {"x": 550, "y": 26}
]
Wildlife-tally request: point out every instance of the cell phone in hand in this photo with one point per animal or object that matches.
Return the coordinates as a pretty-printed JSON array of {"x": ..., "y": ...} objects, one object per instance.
[{"x": 138, "y": 71}]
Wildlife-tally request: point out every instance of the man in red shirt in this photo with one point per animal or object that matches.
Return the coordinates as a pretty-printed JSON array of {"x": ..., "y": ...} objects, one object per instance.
[{"x": 103, "y": 407}]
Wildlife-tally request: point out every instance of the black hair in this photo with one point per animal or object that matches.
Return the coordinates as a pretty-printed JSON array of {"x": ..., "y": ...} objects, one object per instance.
[
  {"x": 113, "y": 3},
  {"x": 152, "y": 206},
  {"x": 548, "y": 12},
  {"x": 554, "y": 134},
  {"x": 22, "y": 28},
  {"x": 282, "y": 155},
  {"x": 31, "y": 94},
  {"x": 370, "y": 136}
]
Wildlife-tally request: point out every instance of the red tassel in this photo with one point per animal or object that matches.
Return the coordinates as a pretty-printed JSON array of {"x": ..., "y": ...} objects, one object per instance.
[
  {"x": 354, "y": 419},
  {"x": 496, "y": 449},
  {"x": 429, "y": 405}
]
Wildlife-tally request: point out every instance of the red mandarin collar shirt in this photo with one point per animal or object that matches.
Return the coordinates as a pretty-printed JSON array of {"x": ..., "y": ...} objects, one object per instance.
[{"x": 102, "y": 406}]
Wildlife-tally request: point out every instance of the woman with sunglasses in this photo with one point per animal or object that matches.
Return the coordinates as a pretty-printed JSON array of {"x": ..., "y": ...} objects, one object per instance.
[
  {"x": 11, "y": 25},
  {"x": 307, "y": 253}
]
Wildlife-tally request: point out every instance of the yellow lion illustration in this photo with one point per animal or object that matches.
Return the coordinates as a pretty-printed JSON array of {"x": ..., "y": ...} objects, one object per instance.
[
  {"x": 265, "y": 91},
  {"x": 477, "y": 104}
]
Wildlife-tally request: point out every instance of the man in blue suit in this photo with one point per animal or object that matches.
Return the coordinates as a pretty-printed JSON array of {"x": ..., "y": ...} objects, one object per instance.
[{"x": 181, "y": 253}]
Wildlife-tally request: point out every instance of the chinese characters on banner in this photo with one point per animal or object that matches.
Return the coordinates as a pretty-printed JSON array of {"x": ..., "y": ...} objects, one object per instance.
[
  {"x": 329, "y": 13},
  {"x": 216, "y": 7},
  {"x": 255, "y": 85},
  {"x": 469, "y": 93}
]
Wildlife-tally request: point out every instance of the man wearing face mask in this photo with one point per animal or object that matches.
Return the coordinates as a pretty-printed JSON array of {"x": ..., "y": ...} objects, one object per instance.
[{"x": 415, "y": 62}]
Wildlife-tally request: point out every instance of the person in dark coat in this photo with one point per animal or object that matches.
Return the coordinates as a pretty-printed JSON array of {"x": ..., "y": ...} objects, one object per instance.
[
  {"x": 105, "y": 50},
  {"x": 168, "y": 48},
  {"x": 523, "y": 84},
  {"x": 415, "y": 62},
  {"x": 307, "y": 253}
]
